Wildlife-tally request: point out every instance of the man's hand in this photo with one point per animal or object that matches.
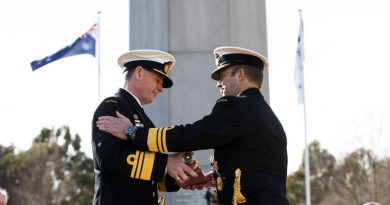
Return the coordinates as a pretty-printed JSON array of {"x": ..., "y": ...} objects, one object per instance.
[
  {"x": 178, "y": 170},
  {"x": 114, "y": 125},
  {"x": 207, "y": 184}
]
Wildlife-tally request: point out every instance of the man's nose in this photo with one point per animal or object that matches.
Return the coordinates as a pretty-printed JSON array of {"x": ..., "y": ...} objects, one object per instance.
[
  {"x": 219, "y": 84},
  {"x": 160, "y": 89}
]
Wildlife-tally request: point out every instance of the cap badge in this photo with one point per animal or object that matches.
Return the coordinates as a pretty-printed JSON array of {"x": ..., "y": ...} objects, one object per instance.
[
  {"x": 217, "y": 59},
  {"x": 167, "y": 65}
]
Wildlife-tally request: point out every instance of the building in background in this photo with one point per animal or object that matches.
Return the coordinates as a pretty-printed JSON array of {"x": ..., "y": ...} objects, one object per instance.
[{"x": 190, "y": 30}]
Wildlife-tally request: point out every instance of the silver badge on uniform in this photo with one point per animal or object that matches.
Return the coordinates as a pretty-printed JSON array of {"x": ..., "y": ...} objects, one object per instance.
[
  {"x": 136, "y": 116},
  {"x": 138, "y": 123}
]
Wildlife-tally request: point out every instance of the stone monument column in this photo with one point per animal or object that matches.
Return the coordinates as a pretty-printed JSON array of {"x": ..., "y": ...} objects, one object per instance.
[{"x": 190, "y": 30}]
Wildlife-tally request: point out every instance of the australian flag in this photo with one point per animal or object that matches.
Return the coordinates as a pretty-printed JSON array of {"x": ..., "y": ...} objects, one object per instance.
[{"x": 85, "y": 44}]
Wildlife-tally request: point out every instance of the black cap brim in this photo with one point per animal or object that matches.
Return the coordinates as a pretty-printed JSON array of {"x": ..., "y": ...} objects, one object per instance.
[{"x": 167, "y": 82}]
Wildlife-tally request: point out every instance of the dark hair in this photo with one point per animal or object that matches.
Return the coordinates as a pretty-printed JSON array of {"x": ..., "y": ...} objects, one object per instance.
[
  {"x": 253, "y": 74},
  {"x": 128, "y": 73}
]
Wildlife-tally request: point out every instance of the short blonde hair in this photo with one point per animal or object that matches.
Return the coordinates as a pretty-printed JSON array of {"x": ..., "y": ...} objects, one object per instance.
[{"x": 4, "y": 193}]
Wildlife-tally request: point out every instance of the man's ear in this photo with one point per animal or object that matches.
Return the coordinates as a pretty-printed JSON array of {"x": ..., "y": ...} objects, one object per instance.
[
  {"x": 138, "y": 72},
  {"x": 241, "y": 74}
]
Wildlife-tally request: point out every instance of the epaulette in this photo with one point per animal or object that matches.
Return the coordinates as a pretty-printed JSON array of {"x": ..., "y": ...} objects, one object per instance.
[
  {"x": 111, "y": 100},
  {"x": 225, "y": 99},
  {"x": 222, "y": 100}
]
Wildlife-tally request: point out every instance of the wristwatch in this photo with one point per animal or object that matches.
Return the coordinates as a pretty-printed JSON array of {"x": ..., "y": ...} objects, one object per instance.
[{"x": 129, "y": 131}]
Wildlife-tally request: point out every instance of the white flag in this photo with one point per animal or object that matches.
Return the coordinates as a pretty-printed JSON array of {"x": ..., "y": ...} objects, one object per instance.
[{"x": 300, "y": 57}]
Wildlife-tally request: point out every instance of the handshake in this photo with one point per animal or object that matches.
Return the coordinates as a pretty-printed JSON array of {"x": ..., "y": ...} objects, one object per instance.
[{"x": 191, "y": 176}]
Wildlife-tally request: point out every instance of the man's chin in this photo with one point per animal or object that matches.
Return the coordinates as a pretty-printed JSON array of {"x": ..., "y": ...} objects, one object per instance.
[{"x": 149, "y": 101}]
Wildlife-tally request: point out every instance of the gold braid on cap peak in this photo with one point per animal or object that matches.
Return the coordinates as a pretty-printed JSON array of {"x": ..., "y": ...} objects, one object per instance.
[
  {"x": 217, "y": 60},
  {"x": 167, "y": 66}
]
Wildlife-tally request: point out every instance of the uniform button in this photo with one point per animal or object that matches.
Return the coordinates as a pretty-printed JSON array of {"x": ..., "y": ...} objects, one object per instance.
[
  {"x": 154, "y": 194},
  {"x": 153, "y": 182}
]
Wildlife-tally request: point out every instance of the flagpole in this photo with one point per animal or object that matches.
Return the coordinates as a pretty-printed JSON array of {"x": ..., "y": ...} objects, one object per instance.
[
  {"x": 302, "y": 90},
  {"x": 98, "y": 55},
  {"x": 307, "y": 164},
  {"x": 300, "y": 86}
]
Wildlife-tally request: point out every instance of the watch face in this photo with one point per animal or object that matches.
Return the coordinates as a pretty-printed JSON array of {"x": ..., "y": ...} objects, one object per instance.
[{"x": 130, "y": 130}]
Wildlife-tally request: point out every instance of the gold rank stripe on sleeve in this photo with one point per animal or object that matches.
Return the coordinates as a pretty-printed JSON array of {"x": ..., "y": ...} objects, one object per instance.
[
  {"x": 157, "y": 139},
  {"x": 160, "y": 140},
  {"x": 142, "y": 164},
  {"x": 152, "y": 139},
  {"x": 148, "y": 166},
  {"x": 140, "y": 160}
]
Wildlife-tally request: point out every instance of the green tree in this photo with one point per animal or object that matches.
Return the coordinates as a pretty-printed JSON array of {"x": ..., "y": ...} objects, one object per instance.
[
  {"x": 7, "y": 160},
  {"x": 382, "y": 185},
  {"x": 52, "y": 172},
  {"x": 296, "y": 187},
  {"x": 362, "y": 178},
  {"x": 322, "y": 165},
  {"x": 358, "y": 178}
]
